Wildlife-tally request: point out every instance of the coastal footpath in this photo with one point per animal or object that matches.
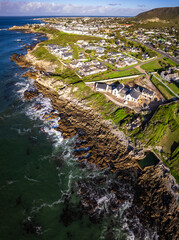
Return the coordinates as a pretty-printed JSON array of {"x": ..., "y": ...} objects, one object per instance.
[{"x": 102, "y": 144}]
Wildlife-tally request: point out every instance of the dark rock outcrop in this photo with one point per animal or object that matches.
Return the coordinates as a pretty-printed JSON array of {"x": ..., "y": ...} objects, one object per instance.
[{"x": 30, "y": 94}]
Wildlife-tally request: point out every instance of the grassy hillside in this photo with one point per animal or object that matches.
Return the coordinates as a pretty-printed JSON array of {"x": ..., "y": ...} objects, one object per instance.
[
  {"x": 167, "y": 13},
  {"x": 163, "y": 130}
]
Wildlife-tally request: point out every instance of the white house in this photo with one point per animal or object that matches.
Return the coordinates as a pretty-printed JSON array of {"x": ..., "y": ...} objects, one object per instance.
[
  {"x": 116, "y": 90},
  {"x": 133, "y": 95}
]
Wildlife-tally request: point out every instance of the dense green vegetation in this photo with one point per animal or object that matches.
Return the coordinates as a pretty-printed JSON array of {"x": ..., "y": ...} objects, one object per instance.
[
  {"x": 67, "y": 75},
  {"x": 75, "y": 52},
  {"x": 163, "y": 130}
]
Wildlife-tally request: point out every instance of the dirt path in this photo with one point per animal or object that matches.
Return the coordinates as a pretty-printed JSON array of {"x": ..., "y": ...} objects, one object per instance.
[
  {"x": 111, "y": 98},
  {"x": 149, "y": 83}
]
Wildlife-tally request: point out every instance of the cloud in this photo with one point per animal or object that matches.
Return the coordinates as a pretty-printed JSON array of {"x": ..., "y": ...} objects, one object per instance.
[
  {"x": 141, "y": 5},
  {"x": 27, "y": 8},
  {"x": 114, "y": 4}
]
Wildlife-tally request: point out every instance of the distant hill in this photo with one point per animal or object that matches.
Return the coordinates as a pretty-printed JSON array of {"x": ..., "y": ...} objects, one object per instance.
[{"x": 167, "y": 13}]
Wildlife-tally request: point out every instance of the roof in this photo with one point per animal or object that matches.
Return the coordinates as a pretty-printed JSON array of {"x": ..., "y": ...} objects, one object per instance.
[
  {"x": 125, "y": 90},
  {"x": 67, "y": 54},
  {"x": 146, "y": 91},
  {"x": 120, "y": 86},
  {"x": 135, "y": 94},
  {"x": 101, "y": 85}
]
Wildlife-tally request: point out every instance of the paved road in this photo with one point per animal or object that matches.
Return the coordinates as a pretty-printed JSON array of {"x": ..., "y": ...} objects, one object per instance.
[
  {"x": 166, "y": 85},
  {"x": 160, "y": 51}
]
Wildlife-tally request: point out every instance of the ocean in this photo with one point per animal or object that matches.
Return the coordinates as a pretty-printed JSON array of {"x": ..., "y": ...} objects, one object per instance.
[{"x": 39, "y": 176}]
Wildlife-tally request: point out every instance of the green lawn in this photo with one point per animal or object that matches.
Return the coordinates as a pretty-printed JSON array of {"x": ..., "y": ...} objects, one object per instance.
[
  {"x": 152, "y": 66},
  {"x": 159, "y": 64},
  {"x": 124, "y": 73},
  {"x": 111, "y": 75}
]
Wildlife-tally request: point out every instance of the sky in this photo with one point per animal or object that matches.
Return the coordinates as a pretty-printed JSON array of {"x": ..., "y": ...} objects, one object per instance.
[{"x": 80, "y": 7}]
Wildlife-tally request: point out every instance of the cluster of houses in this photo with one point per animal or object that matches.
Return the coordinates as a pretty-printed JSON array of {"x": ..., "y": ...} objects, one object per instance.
[
  {"x": 170, "y": 75},
  {"x": 125, "y": 92},
  {"x": 92, "y": 67},
  {"x": 115, "y": 58},
  {"x": 63, "y": 52},
  {"x": 85, "y": 67},
  {"x": 106, "y": 28},
  {"x": 119, "y": 60},
  {"x": 156, "y": 38},
  {"x": 81, "y": 30}
]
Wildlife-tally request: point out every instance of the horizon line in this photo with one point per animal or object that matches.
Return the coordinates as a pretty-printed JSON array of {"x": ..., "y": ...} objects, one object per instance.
[{"x": 65, "y": 16}]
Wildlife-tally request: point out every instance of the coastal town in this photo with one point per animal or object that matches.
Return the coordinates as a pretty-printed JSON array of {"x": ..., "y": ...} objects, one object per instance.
[
  {"x": 115, "y": 54},
  {"x": 110, "y": 87},
  {"x": 119, "y": 47},
  {"x": 95, "y": 57}
]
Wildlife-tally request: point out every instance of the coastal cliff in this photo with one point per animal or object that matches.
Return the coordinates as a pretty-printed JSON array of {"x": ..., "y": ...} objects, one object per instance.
[{"x": 100, "y": 143}]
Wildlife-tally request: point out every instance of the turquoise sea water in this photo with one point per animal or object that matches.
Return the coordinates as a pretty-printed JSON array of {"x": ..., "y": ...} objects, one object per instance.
[{"x": 39, "y": 177}]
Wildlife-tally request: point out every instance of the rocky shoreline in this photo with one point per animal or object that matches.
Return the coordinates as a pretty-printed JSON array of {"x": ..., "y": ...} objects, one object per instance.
[{"x": 100, "y": 144}]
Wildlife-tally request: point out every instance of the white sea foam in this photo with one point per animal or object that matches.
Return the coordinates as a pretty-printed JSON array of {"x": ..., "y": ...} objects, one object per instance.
[
  {"x": 31, "y": 179},
  {"x": 22, "y": 86},
  {"x": 22, "y": 131},
  {"x": 48, "y": 126},
  {"x": 37, "y": 209},
  {"x": 37, "y": 113},
  {"x": 8, "y": 183}
]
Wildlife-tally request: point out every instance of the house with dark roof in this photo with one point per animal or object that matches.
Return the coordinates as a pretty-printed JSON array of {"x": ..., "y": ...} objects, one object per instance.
[
  {"x": 116, "y": 91},
  {"x": 112, "y": 86},
  {"x": 101, "y": 86},
  {"x": 67, "y": 55},
  {"x": 147, "y": 93},
  {"x": 169, "y": 75},
  {"x": 144, "y": 91},
  {"x": 133, "y": 95},
  {"x": 123, "y": 92}
]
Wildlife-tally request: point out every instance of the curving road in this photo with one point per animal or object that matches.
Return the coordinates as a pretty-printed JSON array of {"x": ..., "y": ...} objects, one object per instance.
[{"x": 160, "y": 51}]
